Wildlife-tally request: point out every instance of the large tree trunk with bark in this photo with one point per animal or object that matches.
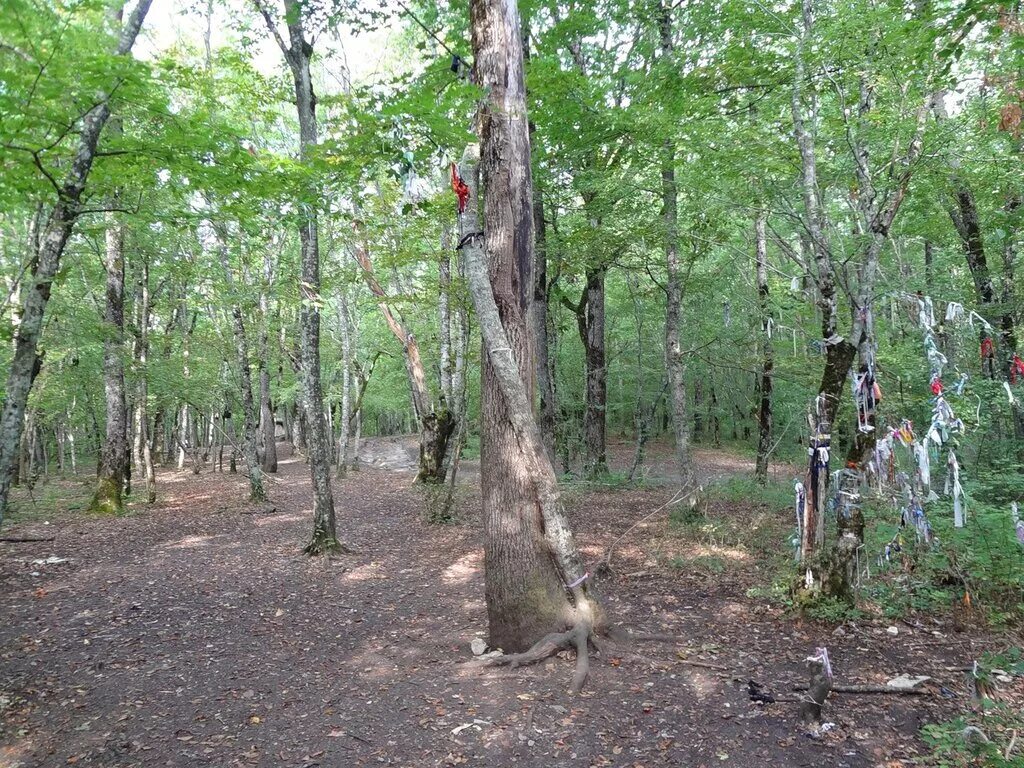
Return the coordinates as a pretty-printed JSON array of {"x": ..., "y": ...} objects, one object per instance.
[
  {"x": 535, "y": 584},
  {"x": 35, "y": 293},
  {"x": 324, "y": 538}
]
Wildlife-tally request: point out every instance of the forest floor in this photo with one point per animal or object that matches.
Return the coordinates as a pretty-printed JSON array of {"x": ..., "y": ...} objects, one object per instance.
[{"x": 193, "y": 633}]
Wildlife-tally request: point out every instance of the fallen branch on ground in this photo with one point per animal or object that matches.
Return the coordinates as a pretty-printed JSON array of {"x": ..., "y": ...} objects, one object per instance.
[
  {"x": 25, "y": 539},
  {"x": 704, "y": 665},
  {"x": 864, "y": 688}
]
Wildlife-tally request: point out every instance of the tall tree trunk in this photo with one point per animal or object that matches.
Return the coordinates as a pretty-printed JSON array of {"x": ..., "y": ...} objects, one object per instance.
[
  {"x": 250, "y": 417},
  {"x": 593, "y": 337},
  {"x": 540, "y": 310},
  {"x": 324, "y": 537},
  {"x": 182, "y": 430},
  {"x": 675, "y": 363},
  {"x": 590, "y": 315},
  {"x": 344, "y": 327},
  {"x": 534, "y": 577},
  {"x": 268, "y": 427},
  {"x": 114, "y": 457},
  {"x": 764, "y": 414},
  {"x": 444, "y": 316},
  {"x": 142, "y": 449},
  {"x": 997, "y": 308},
  {"x": 35, "y": 293}
]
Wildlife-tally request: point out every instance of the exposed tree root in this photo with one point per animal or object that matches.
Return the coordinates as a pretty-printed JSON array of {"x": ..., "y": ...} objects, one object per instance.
[
  {"x": 326, "y": 546},
  {"x": 579, "y": 637}
]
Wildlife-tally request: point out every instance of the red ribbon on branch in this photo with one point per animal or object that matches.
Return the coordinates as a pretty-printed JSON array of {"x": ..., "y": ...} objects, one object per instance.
[
  {"x": 987, "y": 350},
  {"x": 1016, "y": 368},
  {"x": 460, "y": 189}
]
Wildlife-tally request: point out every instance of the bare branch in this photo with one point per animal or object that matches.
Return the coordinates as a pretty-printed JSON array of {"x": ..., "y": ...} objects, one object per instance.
[{"x": 272, "y": 26}]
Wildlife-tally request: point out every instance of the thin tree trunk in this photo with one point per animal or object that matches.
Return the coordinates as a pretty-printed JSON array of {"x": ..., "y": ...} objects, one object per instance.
[
  {"x": 58, "y": 434},
  {"x": 596, "y": 402},
  {"x": 268, "y": 427},
  {"x": 444, "y": 317},
  {"x": 324, "y": 537},
  {"x": 114, "y": 457},
  {"x": 344, "y": 327},
  {"x": 35, "y": 293},
  {"x": 997, "y": 308},
  {"x": 143, "y": 453},
  {"x": 182, "y": 428},
  {"x": 250, "y": 417},
  {"x": 675, "y": 363},
  {"x": 540, "y": 310},
  {"x": 764, "y": 414}
]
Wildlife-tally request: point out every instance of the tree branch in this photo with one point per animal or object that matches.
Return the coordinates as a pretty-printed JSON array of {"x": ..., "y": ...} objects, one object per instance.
[{"x": 265, "y": 12}]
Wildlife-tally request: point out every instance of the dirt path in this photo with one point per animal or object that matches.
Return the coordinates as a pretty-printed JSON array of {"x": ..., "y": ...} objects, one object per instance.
[
  {"x": 194, "y": 634},
  {"x": 400, "y": 453}
]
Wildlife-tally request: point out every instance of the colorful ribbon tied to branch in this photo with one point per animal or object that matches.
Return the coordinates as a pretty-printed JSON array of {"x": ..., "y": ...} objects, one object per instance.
[
  {"x": 1016, "y": 368},
  {"x": 954, "y": 488},
  {"x": 460, "y": 188}
]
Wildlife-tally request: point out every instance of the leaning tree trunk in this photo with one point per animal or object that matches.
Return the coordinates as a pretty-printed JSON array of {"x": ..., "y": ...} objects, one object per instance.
[
  {"x": 436, "y": 424},
  {"x": 764, "y": 413},
  {"x": 114, "y": 457},
  {"x": 444, "y": 316},
  {"x": 534, "y": 578},
  {"x": 324, "y": 537},
  {"x": 26, "y": 362}
]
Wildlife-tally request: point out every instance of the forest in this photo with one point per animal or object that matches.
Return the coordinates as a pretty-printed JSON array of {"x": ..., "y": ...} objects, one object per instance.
[{"x": 513, "y": 382}]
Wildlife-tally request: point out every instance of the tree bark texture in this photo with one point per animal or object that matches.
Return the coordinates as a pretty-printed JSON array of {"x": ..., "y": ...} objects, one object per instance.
[{"x": 530, "y": 557}]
